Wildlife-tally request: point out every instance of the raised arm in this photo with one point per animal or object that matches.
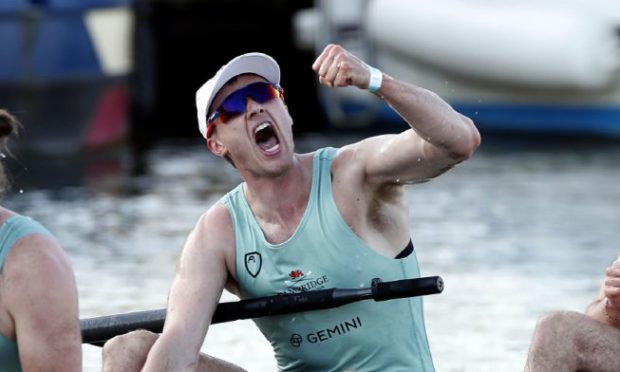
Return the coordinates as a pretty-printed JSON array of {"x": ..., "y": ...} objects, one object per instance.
[
  {"x": 438, "y": 139},
  {"x": 40, "y": 294},
  {"x": 606, "y": 307},
  {"x": 201, "y": 276}
]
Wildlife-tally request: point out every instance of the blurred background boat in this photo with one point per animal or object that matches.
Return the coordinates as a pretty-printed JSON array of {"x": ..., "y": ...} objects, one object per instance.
[
  {"x": 90, "y": 74},
  {"x": 520, "y": 66},
  {"x": 63, "y": 71}
]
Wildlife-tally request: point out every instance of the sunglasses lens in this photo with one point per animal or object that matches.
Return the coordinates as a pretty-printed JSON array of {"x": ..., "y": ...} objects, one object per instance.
[
  {"x": 262, "y": 92},
  {"x": 235, "y": 104}
]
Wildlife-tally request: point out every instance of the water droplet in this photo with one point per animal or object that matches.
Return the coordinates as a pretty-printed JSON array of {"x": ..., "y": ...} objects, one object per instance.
[
  {"x": 21, "y": 191},
  {"x": 2, "y": 155},
  {"x": 397, "y": 180},
  {"x": 476, "y": 113},
  {"x": 419, "y": 160}
]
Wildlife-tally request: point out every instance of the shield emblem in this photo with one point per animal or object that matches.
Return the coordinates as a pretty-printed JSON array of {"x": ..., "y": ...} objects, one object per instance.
[{"x": 253, "y": 263}]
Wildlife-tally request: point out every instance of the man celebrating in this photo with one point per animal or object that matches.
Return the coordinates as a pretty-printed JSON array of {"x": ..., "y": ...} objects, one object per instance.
[{"x": 331, "y": 218}]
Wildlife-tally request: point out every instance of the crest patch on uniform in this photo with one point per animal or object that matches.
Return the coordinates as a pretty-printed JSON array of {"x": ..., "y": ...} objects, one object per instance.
[{"x": 253, "y": 263}]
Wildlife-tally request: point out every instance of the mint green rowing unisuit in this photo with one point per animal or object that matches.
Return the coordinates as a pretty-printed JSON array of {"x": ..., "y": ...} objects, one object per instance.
[
  {"x": 13, "y": 229},
  {"x": 325, "y": 253}
]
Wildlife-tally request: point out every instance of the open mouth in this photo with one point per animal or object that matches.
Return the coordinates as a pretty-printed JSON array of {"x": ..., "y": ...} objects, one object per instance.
[{"x": 266, "y": 138}]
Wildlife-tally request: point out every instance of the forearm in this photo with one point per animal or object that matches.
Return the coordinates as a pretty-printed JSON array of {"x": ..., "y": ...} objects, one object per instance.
[
  {"x": 431, "y": 117},
  {"x": 192, "y": 301},
  {"x": 186, "y": 325},
  {"x": 166, "y": 355}
]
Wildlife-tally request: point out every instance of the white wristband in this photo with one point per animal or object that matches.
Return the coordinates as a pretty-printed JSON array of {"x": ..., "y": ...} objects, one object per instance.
[{"x": 376, "y": 78}]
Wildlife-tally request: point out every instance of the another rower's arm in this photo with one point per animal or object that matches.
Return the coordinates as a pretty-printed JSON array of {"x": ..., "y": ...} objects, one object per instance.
[
  {"x": 40, "y": 293},
  {"x": 196, "y": 290},
  {"x": 606, "y": 307}
]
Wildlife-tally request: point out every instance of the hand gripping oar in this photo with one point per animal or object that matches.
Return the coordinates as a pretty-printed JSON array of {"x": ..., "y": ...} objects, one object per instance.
[{"x": 97, "y": 331}]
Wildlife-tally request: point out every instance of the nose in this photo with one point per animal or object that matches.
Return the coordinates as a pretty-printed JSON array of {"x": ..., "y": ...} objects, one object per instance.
[{"x": 252, "y": 108}]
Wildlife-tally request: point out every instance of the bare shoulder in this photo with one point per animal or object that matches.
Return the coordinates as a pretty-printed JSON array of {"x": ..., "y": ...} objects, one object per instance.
[
  {"x": 37, "y": 257},
  {"x": 213, "y": 237},
  {"x": 215, "y": 226},
  {"x": 33, "y": 265},
  {"x": 351, "y": 161},
  {"x": 38, "y": 285},
  {"x": 347, "y": 159}
]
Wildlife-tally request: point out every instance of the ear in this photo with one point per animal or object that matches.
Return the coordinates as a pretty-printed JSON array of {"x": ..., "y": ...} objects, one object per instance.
[{"x": 216, "y": 146}]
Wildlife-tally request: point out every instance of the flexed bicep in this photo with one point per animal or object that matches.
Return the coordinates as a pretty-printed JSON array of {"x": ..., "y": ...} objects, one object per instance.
[{"x": 401, "y": 159}]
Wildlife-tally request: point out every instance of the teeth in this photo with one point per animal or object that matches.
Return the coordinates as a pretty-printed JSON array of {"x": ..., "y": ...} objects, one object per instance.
[{"x": 262, "y": 126}]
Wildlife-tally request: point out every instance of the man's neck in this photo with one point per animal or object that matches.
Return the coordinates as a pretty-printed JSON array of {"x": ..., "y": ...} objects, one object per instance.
[{"x": 282, "y": 198}]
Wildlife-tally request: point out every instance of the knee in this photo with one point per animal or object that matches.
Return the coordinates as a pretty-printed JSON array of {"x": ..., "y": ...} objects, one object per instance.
[{"x": 557, "y": 326}]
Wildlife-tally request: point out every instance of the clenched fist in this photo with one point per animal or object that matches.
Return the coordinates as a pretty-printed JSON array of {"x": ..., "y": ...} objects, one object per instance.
[{"x": 337, "y": 67}]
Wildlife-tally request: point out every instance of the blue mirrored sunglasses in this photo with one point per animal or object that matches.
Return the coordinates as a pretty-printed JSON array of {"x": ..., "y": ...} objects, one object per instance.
[{"x": 235, "y": 103}]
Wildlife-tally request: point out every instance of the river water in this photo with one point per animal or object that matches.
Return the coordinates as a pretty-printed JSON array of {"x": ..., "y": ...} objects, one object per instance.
[{"x": 523, "y": 228}]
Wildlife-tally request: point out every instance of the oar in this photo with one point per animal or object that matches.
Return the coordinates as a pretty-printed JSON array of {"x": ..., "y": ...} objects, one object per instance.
[{"x": 97, "y": 331}]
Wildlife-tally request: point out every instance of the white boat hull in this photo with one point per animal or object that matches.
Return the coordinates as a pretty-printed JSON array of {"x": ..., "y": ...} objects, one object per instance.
[{"x": 543, "y": 66}]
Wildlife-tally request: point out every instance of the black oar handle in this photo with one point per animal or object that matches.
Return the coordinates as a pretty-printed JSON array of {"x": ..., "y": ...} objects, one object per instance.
[
  {"x": 382, "y": 291},
  {"x": 274, "y": 305},
  {"x": 97, "y": 330}
]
